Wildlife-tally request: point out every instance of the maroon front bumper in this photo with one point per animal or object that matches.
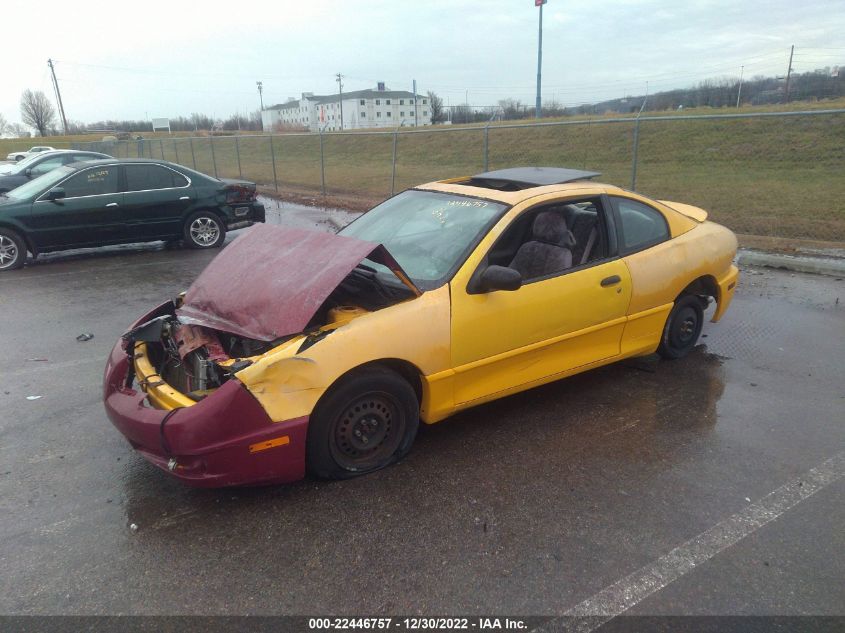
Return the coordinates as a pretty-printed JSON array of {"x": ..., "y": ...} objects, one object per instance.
[{"x": 220, "y": 441}]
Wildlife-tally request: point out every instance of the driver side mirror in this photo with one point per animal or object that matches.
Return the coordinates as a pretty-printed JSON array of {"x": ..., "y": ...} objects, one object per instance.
[
  {"x": 56, "y": 193},
  {"x": 28, "y": 172},
  {"x": 499, "y": 278}
]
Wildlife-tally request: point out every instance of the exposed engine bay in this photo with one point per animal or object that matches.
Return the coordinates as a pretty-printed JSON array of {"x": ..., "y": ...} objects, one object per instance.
[{"x": 195, "y": 359}]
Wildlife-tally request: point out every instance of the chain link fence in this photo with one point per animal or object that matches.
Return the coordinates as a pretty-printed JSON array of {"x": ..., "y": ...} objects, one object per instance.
[{"x": 773, "y": 174}]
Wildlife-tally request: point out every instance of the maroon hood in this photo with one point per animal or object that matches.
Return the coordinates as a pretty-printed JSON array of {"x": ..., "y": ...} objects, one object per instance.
[{"x": 270, "y": 282}]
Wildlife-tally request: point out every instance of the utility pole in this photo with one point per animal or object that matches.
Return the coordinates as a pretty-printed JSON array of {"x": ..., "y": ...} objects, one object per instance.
[
  {"x": 739, "y": 92},
  {"x": 416, "y": 105},
  {"x": 58, "y": 95},
  {"x": 340, "y": 93},
  {"x": 789, "y": 72},
  {"x": 260, "y": 85},
  {"x": 538, "y": 105}
]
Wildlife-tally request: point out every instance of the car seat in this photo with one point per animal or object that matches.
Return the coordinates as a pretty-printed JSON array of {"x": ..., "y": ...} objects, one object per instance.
[{"x": 548, "y": 251}]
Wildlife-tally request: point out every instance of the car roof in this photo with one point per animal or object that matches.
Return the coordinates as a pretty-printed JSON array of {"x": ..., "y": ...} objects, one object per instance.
[
  {"x": 110, "y": 161},
  {"x": 514, "y": 185}
]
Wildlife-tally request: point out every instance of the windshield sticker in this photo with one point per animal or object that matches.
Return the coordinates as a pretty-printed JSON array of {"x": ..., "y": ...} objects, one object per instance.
[{"x": 478, "y": 204}]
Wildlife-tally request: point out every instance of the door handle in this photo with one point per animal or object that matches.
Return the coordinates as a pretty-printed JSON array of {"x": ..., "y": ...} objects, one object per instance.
[
  {"x": 185, "y": 198},
  {"x": 112, "y": 204},
  {"x": 610, "y": 281}
]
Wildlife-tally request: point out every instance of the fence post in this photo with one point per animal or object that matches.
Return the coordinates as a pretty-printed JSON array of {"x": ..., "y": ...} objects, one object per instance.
[
  {"x": 176, "y": 151},
  {"x": 238, "y": 152},
  {"x": 393, "y": 174},
  {"x": 634, "y": 155},
  {"x": 322, "y": 166},
  {"x": 273, "y": 157},
  {"x": 193, "y": 156},
  {"x": 486, "y": 146},
  {"x": 161, "y": 148},
  {"x": 213, "y": 157}
]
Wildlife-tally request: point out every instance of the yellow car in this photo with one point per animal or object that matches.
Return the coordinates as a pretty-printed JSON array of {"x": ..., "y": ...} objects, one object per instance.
[{"x": 298, "y": 351}]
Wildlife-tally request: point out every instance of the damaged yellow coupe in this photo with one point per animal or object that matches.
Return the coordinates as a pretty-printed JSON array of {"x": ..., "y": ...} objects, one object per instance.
[{"x": 297, "y": 351}]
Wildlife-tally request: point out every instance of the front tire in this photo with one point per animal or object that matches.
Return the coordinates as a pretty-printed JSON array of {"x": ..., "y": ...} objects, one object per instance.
[
  {"x": 204, "y": 229},
  {"x": 367, "y": 421},
  {"x": 683, "y": 327},
  {"x": 12, "y": 250}
]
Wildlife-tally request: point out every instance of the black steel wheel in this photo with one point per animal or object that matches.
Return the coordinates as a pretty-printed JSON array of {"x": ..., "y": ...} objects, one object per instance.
[
  {"x": 683, "y": 327},
  {"x": 365, "y": 422}
]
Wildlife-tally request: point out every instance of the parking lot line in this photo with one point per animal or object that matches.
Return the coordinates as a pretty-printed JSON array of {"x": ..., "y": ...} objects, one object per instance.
[{"x": 634, "y": 588}]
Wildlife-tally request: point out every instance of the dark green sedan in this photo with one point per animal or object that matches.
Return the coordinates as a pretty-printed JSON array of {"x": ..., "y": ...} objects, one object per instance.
[{"x": 121, "y": 201}]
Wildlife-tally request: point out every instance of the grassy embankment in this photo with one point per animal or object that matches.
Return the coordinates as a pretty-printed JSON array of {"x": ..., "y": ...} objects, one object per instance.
[{"x": 769, "y": 176}]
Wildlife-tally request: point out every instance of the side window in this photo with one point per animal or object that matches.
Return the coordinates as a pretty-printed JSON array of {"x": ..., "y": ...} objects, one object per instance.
[
  {"x": 78, "y": 158},
  {"x": 553, "y": 238},
  {"x": 47, "y": 165},
  {"x": 642, "y": 225},
  {"x": 91, "y": 182},
  {"x": 147, "y": 177}
]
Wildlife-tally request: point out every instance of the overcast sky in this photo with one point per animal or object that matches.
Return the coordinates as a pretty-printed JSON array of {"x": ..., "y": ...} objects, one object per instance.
[{"x": 151, "y": 58}]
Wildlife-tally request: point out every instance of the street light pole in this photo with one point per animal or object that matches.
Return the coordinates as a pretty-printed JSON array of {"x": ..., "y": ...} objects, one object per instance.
[
  {"x": 538, "y": 104},
  {"x": 340, "y": 96},
  {"x": 739, "y": 91},
  {"x": 261, "y": 99}
]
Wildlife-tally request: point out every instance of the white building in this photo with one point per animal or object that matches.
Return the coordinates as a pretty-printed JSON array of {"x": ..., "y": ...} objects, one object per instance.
[{"x": 361, "y": 109}]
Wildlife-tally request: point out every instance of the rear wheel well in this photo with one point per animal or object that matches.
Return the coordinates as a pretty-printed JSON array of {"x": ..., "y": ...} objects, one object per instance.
[{"x": 704, "y": 286}]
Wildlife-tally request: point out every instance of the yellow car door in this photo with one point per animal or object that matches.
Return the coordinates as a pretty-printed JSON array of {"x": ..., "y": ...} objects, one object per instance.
[{"x": 506, "y": 341}]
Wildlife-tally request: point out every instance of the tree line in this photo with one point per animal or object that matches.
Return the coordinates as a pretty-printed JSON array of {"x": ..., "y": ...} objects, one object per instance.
[{"x": 38, "y": 113}]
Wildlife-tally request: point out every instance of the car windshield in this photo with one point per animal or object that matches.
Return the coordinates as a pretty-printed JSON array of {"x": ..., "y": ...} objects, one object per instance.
[
  {"x": 40, "y": 184},
  {"x": 429, "y": 233}
]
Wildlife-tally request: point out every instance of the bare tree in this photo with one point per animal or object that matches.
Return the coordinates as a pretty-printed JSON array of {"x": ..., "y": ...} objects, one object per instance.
[
  {"x": 4, "y": 125},
  {"x": 436, "y": 103},
  {"x": 37, "y": 111},
  {"x": 18, "y": 131}
]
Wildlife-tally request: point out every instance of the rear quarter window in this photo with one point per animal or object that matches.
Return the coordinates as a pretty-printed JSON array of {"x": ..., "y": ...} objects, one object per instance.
[{"x": 641, "y": 226}]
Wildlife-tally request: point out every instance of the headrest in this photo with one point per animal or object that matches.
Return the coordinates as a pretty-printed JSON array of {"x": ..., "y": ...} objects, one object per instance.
[{"x": 550, "y": 227}]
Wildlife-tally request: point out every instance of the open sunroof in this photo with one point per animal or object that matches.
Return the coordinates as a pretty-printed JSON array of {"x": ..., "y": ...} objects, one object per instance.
[{"x": 526, "y": 177}]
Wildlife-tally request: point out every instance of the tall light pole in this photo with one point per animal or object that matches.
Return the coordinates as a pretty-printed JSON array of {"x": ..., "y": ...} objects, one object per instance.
[
  {"x": 340, "y": 96},
  {"x": 261, "y": 99},
  {"x": 739, "y": 91},
  {"x": 538, "y": 104}
]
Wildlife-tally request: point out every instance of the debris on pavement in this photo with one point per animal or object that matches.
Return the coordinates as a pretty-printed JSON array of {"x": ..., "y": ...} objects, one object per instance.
[
  {"x": 33, "y": 397},
  {"x": 85, "y": 336},
  {"x": 133, "y": 527},
  {"x": 37, "y": 360}
]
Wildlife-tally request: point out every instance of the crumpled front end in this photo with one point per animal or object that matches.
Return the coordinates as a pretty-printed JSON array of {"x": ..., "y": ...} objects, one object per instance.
[{"x": 223, "y": 438}]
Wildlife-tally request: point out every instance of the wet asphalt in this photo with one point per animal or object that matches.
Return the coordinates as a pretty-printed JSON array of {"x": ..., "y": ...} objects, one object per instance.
[{"x": 528, "y": 505}]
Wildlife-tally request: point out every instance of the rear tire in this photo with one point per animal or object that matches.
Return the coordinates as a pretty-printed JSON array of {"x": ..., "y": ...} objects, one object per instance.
[
  {"x": 12, "y": 250},
  {"x": 367, "y": 421},
  {"x": 204, "y": 229},
  {"x": 683, "y": 327}
]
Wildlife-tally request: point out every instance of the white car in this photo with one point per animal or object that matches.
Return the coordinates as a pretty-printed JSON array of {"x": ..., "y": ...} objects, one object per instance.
[{"x": 20, "y": 155}]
